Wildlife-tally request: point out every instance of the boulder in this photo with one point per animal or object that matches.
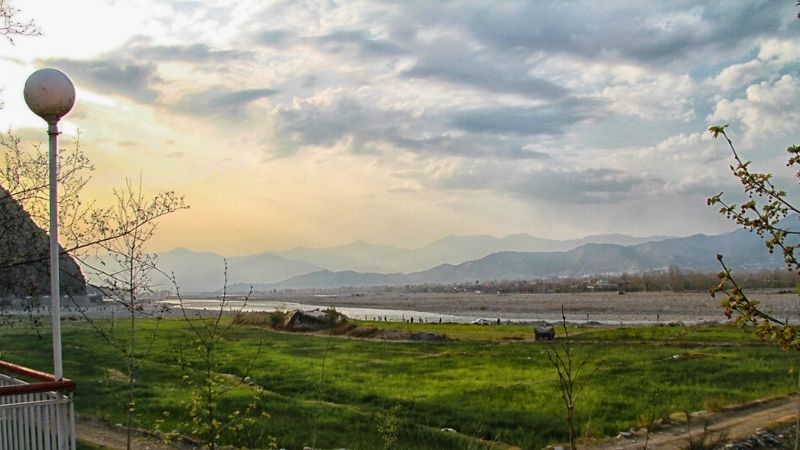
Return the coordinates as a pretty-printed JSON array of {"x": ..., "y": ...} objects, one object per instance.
[
  {"x": 544, "y": 332},
  {"x": 315, "y": 320}
]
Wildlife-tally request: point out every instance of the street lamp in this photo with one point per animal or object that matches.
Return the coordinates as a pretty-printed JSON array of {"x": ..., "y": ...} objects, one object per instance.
[{"x": 50, "y": 95}]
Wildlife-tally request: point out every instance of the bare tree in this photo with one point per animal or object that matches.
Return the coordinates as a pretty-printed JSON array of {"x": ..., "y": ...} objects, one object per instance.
[
  {"x": 118, "y": 233},
  {"x": 123, "y": 267},
  {"x": 11, "y": 25},
  {"x": 23, "y": 181},
  {"x": 207, "y": 333},
  {"x": 570, "y": 382}
]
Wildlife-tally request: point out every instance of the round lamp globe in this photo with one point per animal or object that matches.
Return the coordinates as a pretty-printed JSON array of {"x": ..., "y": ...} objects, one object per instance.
[{"x": 50, "y": 94}]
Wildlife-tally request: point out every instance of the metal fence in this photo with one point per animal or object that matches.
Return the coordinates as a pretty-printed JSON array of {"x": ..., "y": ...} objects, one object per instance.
[{"x": 36, "y": 411}]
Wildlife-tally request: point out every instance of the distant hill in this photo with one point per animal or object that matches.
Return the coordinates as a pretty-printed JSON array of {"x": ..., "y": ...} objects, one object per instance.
[
  {"x": 355, "y": 264},
  {"x": 197, "y": 272},
  {"x": 357, "y": 256},
  {"x": 364, "y": 257},
  {"x": 741, "y": 249},
  {"x": 326, "y": 278},
  {"x": 205, "y": 272},
  {"x": 465, "y": 258}
]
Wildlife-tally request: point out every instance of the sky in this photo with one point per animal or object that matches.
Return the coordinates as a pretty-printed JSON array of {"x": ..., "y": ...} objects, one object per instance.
[{"x": 318, "y": 123}]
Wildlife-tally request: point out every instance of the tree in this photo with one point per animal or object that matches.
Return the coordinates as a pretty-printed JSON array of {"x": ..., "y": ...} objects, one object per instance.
[
  {"x": 119, "y": 231},
  {"x": 11, "y": 25},
  {"x": 119, "y": 234},
  {"x": 24, "y": 201},
  {"x": 764, "y": 213},
  {"x": 24, "y": 182},
  {"x": 570, "y": 380},
  {"x": 207, "y": 332}
]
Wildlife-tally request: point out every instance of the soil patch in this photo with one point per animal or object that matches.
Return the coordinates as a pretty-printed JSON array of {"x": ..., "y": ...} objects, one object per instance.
[{"x": 732, "y": 423}]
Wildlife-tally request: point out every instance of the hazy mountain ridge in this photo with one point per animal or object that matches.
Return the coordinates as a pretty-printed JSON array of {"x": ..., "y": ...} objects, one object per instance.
[
  {"x": 364, "y": 257},
  {"x": 334, "y": 266},
  {"x": 357, "y": 264},
  {"x": 206, "y": 272},
  {"x": 698, "y": 252}
]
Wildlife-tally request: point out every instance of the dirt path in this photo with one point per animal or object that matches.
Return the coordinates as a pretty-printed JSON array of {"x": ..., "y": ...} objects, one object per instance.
[
  {"x": 731, "y": 424},
  {"x": 105, "y": 435}
]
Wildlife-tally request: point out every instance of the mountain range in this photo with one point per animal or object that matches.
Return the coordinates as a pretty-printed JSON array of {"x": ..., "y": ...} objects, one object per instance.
[
  {"x": 363, "y": 257},
  {"x": 462, "y": 258}
]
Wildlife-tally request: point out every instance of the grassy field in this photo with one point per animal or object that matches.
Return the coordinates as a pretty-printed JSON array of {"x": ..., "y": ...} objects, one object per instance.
[{"x": 490, "y": 383}]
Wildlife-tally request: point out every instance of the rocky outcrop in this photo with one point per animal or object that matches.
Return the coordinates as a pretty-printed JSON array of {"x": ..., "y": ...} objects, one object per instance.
[
  {"x": 316, "y": 320},
  {"x": 24, "y": 256},
  {"x": 544, "y": 332}
]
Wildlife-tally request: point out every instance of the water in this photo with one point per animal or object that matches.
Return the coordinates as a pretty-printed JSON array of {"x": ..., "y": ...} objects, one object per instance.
[
  {"x": 391, "y": 315},
  {"x": 400, "y": 315}
]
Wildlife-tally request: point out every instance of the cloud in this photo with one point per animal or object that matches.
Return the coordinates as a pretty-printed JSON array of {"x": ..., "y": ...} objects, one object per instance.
[
  {"x": 768, "y": 107},
  {"x": 684, "y": 164},
  {"x": 691, "y": 166},
  {"x": 359, "y": 40},
  {"x": 578, "y": 185},
  {"x": 737, "y": 75},
  {"x": 343, "y": 117},
  {"x": 775, "y": 56},
  {"x": 317, "y": 121},
  {"x": 221, "y": 101},
  {"x": 197, "y": 52},
  {"x": 551, "y": 118},
  {"x": 563, "y": 185},
  {"x": 122, "y": 78},
  {"x": 449, "y": 64},
  {"x": 783, "y": 51},
  {"x": 653, "y": 34},
  {"x": 273, "y": 37},
  {"x": 133, "y": 72},
  {"x": 653, "y": 97}
]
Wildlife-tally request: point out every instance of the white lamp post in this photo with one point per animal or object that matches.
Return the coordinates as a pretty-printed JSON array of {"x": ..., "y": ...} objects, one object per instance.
[{"x": 50, "y": 95}]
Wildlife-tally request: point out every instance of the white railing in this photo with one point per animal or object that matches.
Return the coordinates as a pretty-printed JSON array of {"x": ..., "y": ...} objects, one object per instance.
[{"x": 36, "y": 411}]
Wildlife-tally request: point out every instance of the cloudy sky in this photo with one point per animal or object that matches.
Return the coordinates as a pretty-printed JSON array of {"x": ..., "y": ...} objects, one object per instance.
[{"x": 317, "y": 123}]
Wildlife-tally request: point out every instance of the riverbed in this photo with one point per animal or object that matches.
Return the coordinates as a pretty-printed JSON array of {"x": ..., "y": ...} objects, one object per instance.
[{"x": 601, "y": 307}]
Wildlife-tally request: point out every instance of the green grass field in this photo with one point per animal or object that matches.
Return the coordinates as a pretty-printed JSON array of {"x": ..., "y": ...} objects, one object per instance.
[{"x": 490, "y": 383}]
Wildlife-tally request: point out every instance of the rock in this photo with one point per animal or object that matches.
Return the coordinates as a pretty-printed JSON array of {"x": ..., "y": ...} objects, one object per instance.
[
  {"x": 545, "y": 332},
  {"x": 763, "y": 439},
  {"x": 400, "y": 335},
  {"x": 297, "y": 320},
  {"x": 427, "y": 336},
  {"x": 21, "y": 241}
]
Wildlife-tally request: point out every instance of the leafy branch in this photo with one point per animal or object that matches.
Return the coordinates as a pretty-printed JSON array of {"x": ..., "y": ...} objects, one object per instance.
[{"x": 763, "y": 213}]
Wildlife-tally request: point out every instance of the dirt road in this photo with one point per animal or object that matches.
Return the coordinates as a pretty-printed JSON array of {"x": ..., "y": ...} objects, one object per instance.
[
  {"x": 105, "y": 435},
  {"x": 731, "y": 424}
]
